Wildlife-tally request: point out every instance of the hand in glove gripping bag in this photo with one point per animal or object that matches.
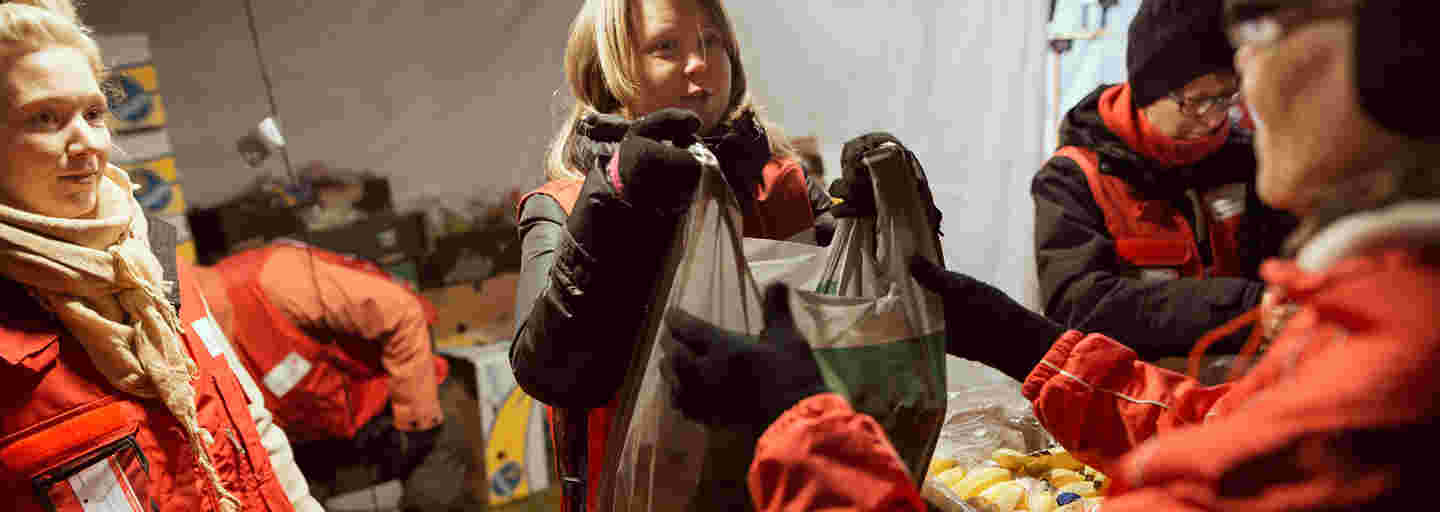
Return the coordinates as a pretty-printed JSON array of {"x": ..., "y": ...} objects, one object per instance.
[
  {"x": 743, "y": 149},
  {"x": 973, "y": 306},
  {"x": 856, "y": 188},
  {"x": 711, "y": 367},
  {"x": 653, "y": 174}
]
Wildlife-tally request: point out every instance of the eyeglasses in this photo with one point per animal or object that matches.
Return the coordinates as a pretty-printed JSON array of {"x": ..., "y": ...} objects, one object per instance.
[
  {"x": 1263, "y": 29},
  {"x": 1197, "y": 107}
]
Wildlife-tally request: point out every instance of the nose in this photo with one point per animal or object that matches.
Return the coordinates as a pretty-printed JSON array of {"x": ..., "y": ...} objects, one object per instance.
[
  {"x": 696, "y": 63},
  {"x": 86, "y": 139}
]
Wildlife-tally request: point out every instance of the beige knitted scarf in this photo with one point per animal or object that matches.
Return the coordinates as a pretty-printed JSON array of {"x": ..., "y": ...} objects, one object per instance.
[{"x": 102, "y": 281}]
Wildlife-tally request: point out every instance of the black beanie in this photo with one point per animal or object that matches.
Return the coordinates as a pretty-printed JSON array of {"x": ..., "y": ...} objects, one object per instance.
[{"x": 1173, "y": 42}]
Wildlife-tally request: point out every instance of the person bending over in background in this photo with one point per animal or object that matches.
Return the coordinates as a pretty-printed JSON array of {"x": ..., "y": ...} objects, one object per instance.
[{"x": 344, "y": 356}]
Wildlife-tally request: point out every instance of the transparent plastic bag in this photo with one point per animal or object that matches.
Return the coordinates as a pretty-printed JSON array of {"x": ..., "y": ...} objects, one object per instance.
[
  {"x": 878, "y": 337},
  {"x": 979, "y": 420}
]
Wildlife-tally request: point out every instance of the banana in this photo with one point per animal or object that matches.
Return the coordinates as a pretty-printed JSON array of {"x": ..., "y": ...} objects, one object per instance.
[
  {"x": 950, "y": 476},
  {"x": 1041, "y": 501},
  {"x": 978, "y": 480},
  {"x": 1084, "y": 489},
  {"x": 939, "y": 465},
  {"x": 1010, "y": 459},
  {"x": 1036, "y": 468},
  {"x": 1061, "y": 477},
  {"x": 1004, "y": 496},
  {"x": 1061, "y": 458}
]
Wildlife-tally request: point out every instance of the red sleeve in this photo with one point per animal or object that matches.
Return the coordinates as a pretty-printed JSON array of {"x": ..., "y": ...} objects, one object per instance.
[
  {"x": 1341, "y": 417},
  {"x": 1099, "y": 400},
  {"x": 782, "y": 207},
  {"x": 821, "y": 454}
]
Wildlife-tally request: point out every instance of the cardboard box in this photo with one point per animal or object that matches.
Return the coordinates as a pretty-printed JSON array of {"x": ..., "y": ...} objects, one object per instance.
[
  {"x": 517, "y": 451},
  {"x": 474, "y": 314}
]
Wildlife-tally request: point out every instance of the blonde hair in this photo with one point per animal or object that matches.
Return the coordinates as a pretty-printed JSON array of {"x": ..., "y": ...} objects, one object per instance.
[
  {"x": 32, "y": 25},
  {"x": 600, "y": 68}
]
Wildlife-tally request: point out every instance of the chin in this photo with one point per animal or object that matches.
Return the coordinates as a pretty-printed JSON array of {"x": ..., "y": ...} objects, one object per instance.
[{"x": 76, "y": 207}]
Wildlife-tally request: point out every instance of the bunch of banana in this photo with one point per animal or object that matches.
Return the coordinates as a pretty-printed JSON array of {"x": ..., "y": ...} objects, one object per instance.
[{"x": 1045, "y": 481}]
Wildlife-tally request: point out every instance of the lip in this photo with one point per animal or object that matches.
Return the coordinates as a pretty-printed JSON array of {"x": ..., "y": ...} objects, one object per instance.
[{"x": 80, "y": 177}]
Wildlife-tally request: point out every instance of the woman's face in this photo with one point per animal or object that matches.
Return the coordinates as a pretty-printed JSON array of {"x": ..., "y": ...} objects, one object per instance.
[
  {"x": 1310, "y": 131},
  {"x": 54, "y": 137},
  {"x": 683, "y": 60},
  {"x": 1167, "y": 115}
]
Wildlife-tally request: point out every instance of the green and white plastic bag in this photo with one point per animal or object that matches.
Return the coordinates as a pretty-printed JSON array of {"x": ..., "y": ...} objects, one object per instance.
[{"x": 878, "y": 336}]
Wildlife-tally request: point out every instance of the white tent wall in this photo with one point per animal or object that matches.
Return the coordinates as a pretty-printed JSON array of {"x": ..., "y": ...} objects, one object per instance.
[{"x": 961, "y": 82}]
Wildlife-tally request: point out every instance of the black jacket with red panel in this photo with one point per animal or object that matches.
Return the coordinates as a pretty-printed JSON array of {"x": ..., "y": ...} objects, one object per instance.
[{"x": 1150, "y": 253}]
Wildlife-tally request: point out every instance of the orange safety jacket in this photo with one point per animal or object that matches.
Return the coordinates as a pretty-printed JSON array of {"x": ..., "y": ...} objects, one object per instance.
[
  {"x": 316, "y": 390},
  {"x": 70, "y": 442},
  {"x": 1154, "y": 236}
]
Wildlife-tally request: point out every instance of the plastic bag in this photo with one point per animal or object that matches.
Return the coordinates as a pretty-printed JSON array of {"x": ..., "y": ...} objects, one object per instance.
[
  {"x": 982, "y": 419},
  {"x": 878, "y": 337}
]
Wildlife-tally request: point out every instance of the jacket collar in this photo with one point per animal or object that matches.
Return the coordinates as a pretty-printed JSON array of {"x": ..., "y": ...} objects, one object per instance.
[
  {"x": 1408, "y": 224},
  {"x": 1084, "y": 126}
]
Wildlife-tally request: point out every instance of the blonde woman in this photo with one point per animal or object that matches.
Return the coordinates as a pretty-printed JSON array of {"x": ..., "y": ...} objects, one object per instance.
[
  {"x": 118, "y": 396},
  {"x": 594, "y": 236}
]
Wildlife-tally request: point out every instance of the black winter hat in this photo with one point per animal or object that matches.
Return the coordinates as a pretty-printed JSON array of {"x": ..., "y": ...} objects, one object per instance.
[{"x": 1172, "y": 42}]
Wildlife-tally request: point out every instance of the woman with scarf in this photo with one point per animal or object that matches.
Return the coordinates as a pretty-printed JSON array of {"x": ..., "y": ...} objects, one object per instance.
[
  {"x": 119, "y": 396},
  {"x": 656, "y": 75},
  {"x": 1340, "y": 410},
  {"x": 1148, "y": 209}
]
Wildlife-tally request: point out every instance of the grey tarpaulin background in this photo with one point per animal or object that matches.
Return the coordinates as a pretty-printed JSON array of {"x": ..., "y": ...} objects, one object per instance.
[
  {"x": 455, "y": 97},
  {"x": 450, "y": 97}
]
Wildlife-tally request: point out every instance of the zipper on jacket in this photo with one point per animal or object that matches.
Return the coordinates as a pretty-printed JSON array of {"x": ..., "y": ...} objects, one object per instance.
[{"x": 239, "y": 447}]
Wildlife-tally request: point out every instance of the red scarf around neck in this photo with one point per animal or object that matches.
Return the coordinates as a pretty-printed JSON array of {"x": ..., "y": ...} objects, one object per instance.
[{"x": 1127, "y": 122}]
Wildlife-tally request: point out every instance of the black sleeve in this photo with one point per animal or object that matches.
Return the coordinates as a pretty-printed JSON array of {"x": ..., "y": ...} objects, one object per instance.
[
  {"x": 586, "y": 283},
  {"x": 164, "y": 239},
  {"x": 1085, "y": 286},
  {"x": 542, "y": 227},
  {"x": 543, "y": 364}
]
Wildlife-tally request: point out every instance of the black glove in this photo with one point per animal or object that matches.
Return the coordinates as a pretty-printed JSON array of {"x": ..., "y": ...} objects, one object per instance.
[
  {"x": 396, "y": 452},
  {"x": 743, "y": 149},
  {"x": 728, "y": 379},
  {"x": 983, "y": 324},
  {"x": 856, "y": 188},
  {"x": 654, "y": 175}
]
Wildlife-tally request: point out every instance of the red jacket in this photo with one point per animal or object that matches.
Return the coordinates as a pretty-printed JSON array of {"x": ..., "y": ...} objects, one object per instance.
[
  {"x": 377, "y": 347},
  {"x": 65, "y": 433},
  {"x": 1154, "y": 236},
  {"x": 782, "y": 211},
  {"x": 1339, "y": 413}
]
